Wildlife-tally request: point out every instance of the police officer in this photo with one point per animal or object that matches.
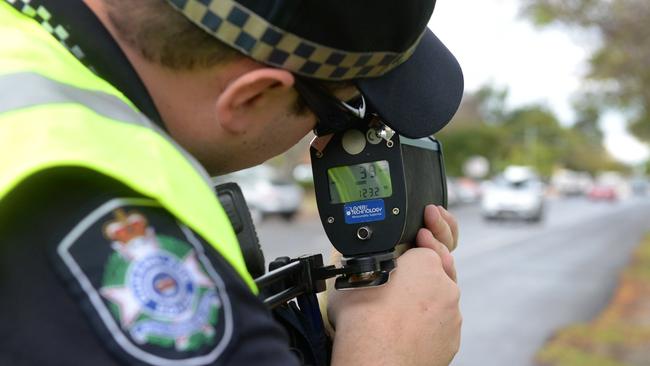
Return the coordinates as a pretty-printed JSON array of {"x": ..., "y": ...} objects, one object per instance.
[{"x": 114, "y": 249}]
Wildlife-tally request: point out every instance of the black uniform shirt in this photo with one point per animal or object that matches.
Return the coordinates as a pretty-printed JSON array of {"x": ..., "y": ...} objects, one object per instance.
[{"x": 93, "y": 273}]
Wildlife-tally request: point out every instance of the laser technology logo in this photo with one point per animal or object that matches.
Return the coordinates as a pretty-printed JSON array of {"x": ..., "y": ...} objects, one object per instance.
[{"x": 364, "y": 211}]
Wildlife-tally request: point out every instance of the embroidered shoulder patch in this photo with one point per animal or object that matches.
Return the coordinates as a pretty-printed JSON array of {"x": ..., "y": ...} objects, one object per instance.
[{"x": 150, "y": 284}]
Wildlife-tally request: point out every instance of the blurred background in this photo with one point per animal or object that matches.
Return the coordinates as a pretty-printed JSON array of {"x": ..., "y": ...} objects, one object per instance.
[{"x": 547, "y": 163}]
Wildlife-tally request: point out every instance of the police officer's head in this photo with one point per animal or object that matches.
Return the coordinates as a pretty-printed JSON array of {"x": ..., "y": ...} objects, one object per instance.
[{"x": 224, "y": 73}]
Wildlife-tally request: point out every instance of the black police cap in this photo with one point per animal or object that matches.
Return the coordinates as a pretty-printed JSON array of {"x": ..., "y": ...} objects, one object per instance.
[{"x": 406, "y": 74}]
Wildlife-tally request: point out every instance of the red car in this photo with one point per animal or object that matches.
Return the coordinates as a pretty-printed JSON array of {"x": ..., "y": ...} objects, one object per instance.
[{"x": 602, "y": 193}]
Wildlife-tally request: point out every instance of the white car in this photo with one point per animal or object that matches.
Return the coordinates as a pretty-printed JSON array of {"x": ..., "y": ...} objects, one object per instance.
[
  {"x": 514, "y": 194},
  {"x": 265, "y": 194},
  {"x": 469, "y": 191},
  {"x": 571, "y": 183},
  {"x": 452, "y": 192}
]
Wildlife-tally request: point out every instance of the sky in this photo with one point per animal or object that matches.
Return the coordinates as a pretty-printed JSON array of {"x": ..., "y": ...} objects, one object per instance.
[{"x": 495, "y": 45}]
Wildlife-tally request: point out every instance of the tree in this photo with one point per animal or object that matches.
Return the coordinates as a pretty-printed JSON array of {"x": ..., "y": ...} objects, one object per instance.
[
  {"x": 536, "y": 138},
  {"x": 587, "y": 110},
  {"x": 619, "y": 62},
  {"x": 475, "y": 130},
  {"x": 529, "y": 135},
  {"x": 486, "y": 105},
  {"x": 461, "y": 143}
]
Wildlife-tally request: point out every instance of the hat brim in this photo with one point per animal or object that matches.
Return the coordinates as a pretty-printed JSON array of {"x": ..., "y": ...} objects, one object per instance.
[{"x": 419, "y": 97}]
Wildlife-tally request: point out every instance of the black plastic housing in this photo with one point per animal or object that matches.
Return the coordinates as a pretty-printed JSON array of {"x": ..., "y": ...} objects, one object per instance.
[
  {"x": 418, "y": 178},
  {"x": 234, "y": 204}
]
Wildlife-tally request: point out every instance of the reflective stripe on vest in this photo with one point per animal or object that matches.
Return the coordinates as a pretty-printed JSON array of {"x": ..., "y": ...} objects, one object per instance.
[
  {"x": 30, "y": 89},
  {"x": 46, "y": 123}
]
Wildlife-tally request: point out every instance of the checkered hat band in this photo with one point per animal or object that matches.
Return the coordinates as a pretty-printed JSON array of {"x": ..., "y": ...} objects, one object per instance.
[
  {"x": 252, "y": 35},
  {"x": 38, "y": 12}
]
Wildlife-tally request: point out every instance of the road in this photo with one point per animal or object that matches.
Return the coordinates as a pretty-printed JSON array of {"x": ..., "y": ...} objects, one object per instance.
[{"x": 520, "y": 282}]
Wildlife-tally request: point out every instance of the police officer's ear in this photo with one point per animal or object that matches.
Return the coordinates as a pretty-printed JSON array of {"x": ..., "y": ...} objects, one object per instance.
[{"x": 253, "y": 97}]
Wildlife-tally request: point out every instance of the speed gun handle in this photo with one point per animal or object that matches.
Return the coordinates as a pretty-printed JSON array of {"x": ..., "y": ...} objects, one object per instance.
[{"x": 233, "y": 202}]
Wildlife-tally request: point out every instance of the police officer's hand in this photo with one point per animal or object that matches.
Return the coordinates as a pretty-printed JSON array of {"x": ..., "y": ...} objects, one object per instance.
[
  {"x": 415, "y": 318},
  {"x": 440, "y": 234}
]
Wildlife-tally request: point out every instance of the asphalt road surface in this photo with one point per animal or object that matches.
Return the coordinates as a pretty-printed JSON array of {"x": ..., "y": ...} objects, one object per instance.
[{"x": 520, "y": 282}]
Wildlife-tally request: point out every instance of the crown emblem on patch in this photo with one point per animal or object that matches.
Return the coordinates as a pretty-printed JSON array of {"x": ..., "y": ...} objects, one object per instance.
[
  {"x": 125, "y": 227},
  {"x": 157, "y": 287},
  {"x": 152, "y": 291}
]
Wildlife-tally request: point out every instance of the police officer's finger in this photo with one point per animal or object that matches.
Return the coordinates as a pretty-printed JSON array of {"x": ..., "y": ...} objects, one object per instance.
[
  {"x": 425, "y": 239},
  {"x": 335, "y": 257},
  {"x": 434, "y": 221},
  {"x": 453, "y": 225}
]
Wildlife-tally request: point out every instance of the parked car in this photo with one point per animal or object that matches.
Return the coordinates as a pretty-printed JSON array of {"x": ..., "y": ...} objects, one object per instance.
[
  {"x": 265, "y": 193},
  {"x": 602, "y": 192},
  {"x": 469, "y": 191},
  {"x": 615, "y": 181},
  {"x": 302, "y": 173},
  {"x": 640, "y": 186},
  {"x": 516, "y": 194},
  {"x": 571, "y": 183},
  {"x": 452, "y": 192}
]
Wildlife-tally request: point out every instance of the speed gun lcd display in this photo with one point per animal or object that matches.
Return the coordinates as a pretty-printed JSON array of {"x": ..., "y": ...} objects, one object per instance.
[{"x": 359, "y": 182}]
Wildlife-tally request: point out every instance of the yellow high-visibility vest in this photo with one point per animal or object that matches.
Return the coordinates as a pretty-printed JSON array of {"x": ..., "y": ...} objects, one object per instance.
[{"x": 54, "y": 112}]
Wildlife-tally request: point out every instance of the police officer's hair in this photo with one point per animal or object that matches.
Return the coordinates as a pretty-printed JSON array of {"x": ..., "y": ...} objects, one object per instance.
[{"x": 164, "y": 36}]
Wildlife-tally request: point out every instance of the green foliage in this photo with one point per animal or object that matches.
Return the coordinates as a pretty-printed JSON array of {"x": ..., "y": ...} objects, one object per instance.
[
  {"x": 619, "y": 63},
  {"x": 641, "y": 127},
  {"x": 536, "y": 137},
  {"x": 459, "y": 144},
  {"x": 588, "y": 111},
  {"x": 530, "y": 135},
  {"x": 558, "y": 355},
  {"x": 583, "y": 154}
]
